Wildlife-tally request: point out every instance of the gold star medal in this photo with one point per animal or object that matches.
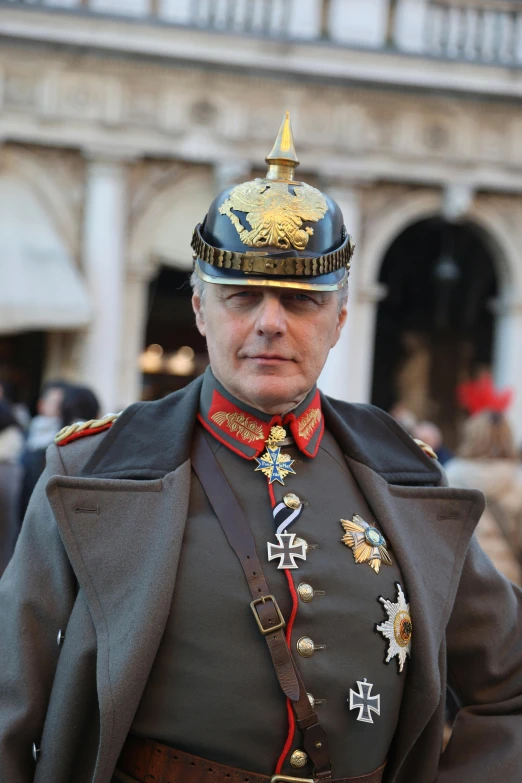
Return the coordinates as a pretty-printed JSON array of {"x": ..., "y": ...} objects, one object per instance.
[
  {"x": 368, "y": 544},
  {"x": 274, "y": 465},
  {"x": 397, "y": 628}
]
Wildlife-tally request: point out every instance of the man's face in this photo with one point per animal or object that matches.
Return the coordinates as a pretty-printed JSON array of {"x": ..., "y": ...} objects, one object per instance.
[{"x": 267, "y": 346}]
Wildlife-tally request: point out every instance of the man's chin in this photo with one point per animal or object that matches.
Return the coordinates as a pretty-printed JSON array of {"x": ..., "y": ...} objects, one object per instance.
[{"x": 273, "y": 395}]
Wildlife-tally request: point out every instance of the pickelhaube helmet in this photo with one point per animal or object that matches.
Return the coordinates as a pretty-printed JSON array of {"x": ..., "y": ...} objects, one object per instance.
[{"x": 274, "y": 231}]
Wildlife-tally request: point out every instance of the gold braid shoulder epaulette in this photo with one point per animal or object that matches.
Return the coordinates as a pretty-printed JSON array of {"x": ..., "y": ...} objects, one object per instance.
[
  {"x": 84, "y": 428},
  {"x": 426, "y": 449}
]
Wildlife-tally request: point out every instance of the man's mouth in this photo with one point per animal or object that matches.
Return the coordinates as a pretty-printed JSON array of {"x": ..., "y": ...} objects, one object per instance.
[{"x": 269, "y": 358}]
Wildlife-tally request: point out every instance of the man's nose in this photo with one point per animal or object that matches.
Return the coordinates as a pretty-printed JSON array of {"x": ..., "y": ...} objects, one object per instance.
[{"x": 271, "y": 317}]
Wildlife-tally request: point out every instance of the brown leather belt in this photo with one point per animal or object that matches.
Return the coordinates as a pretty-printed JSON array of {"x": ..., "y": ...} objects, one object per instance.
[{"x": 151, "y": 762}]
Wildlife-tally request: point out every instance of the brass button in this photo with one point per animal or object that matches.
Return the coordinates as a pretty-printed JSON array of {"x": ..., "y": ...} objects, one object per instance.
[
  {"x": 306, "y": 592},
  {"x": 315, "y": 702},
  {"x": 298, "y": 759},
  {"x": 298, "y": 541},
  {"x": 305, "y": 647},
  {"x": 292, "y": 501}
]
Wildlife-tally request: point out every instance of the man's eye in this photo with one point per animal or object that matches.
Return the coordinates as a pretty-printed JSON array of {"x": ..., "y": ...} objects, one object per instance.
[{"x": 301, "y": 298}]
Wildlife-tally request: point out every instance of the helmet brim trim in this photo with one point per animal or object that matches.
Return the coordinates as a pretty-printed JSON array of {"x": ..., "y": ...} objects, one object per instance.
[
  {"x": 271, "y": 262},
  {"x": 332, "y": 281}
]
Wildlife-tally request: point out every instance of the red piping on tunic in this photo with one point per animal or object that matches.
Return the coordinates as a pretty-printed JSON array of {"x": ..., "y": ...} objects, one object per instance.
[
  {"x": 291, "y": 716},
  {"x": 289, "y": 628}
]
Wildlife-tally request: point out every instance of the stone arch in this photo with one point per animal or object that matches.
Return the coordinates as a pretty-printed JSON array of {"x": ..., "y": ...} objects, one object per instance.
[
  {"x": 167, "y": 220},
  {"x": 414, "y": 207},
  {"x": 490, "y": 217},
  {"x": 183, "y": 202},
  {"x": 51, "y": 189},
  {"x": 498, "y": 234},
  {"x": 380, "y": 231},
  {"x": 386, "y": 226}
]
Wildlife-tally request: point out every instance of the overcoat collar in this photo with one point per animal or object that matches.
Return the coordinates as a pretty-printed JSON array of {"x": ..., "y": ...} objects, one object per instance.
[{"x": 128, "y": 510}]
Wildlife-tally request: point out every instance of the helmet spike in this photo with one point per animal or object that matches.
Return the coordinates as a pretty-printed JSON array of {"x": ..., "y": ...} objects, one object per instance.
[{"x": 282, "y": 160}]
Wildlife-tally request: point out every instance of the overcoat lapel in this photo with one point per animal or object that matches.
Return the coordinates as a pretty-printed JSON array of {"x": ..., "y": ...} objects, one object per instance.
[
  {"x": 122, "y": 523},
  {"x": 123, "y": 539},
  {"x": 428, "y": 530}
]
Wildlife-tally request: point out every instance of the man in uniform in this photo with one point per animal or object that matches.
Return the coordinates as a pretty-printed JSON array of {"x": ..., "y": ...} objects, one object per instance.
[{"x": 249, "y": 581}]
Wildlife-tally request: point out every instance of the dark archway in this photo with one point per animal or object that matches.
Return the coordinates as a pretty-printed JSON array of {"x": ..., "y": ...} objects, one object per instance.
[
  {"x": 435, "y": 325},
  {"x": 22, "y": 360},
  {"x": 171, "y": 329}
]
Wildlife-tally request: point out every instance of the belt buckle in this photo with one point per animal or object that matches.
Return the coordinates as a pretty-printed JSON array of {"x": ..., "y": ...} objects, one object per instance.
[{"x": 288, "y": 779}]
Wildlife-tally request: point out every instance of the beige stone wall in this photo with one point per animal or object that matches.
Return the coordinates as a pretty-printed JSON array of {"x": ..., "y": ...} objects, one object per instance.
[{"x": 154, "y": 140}]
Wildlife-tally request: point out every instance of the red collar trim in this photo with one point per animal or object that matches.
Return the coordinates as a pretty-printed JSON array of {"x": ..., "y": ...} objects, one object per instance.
[
  {"x": 241, "y": 432},
  {"x": 246, "y": 434},
  {"x": 307, "y": 429}
]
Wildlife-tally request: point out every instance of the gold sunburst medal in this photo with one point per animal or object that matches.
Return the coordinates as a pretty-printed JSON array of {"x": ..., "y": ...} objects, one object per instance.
[{"x": 368, "y": 543}]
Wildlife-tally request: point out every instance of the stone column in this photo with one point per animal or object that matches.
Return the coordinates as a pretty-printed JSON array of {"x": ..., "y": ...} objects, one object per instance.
[
  {"x": 135, "y": 325},
  {"x": 508, "y": 351},
  {"x": 104, "y": 244},
  {"x": 336, "y": 378}
]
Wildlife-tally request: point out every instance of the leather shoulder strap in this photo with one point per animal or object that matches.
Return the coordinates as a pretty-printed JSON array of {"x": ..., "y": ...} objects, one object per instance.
[{"x": 264, "y": 605}]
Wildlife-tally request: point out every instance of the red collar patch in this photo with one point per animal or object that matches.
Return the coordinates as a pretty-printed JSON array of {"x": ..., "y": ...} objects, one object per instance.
[
  {"x": 307, "y": 428},
  {"x": 245, "y": 433}
]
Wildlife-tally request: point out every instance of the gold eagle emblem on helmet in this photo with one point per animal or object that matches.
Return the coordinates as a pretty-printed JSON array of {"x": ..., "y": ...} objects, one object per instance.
[{"x": 275, "y": 213}]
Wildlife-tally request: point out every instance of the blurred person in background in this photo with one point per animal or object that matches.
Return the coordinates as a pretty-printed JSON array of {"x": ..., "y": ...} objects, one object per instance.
[
  {"x": 42, "y": 429},
  {"x": 487, "y": 460},
  {"x": 11, "y": 445},
  {"x": 404, "y": 416},
  {"x": 18, "y": 409},
  {"x": 79, "y": 404},
  {"x": 429, "y": 433}
]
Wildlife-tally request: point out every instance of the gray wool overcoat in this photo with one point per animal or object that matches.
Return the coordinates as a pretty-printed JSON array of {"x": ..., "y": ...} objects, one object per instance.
[{"x": 97, "y": 559}]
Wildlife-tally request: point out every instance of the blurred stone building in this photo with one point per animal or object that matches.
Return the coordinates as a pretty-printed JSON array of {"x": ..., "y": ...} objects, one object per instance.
[{"x": 120, "y": 119}]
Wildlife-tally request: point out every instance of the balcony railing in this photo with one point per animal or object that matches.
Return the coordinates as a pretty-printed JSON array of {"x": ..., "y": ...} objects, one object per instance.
[
  {"x": 264, "y": 17},
  {"x": 482, "y": 31},
  {"x": 268, "y": 17},
  {"x": 474, "y": 30}
]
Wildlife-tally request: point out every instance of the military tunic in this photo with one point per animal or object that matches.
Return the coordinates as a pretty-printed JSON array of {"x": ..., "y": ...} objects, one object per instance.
[{"x": 212, "y": 690}]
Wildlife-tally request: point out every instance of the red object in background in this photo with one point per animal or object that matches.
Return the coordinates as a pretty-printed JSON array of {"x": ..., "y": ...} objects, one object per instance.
[{"x": 480, "y": 395}]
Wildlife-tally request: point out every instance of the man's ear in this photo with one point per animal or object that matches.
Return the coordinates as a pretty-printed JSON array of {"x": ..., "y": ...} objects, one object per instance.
[
  {"x": 341, "y": 320},
  {"x": 197, "y": 306}
]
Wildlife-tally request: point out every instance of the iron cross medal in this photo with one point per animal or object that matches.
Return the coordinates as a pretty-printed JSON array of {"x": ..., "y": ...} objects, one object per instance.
[
  {"x": 364, "y": 702},
  {"x": 286, "y": 550}
]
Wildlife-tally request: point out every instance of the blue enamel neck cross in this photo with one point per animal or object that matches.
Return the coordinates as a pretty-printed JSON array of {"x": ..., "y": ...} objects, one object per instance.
[{"x": 274, "y": 465}]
